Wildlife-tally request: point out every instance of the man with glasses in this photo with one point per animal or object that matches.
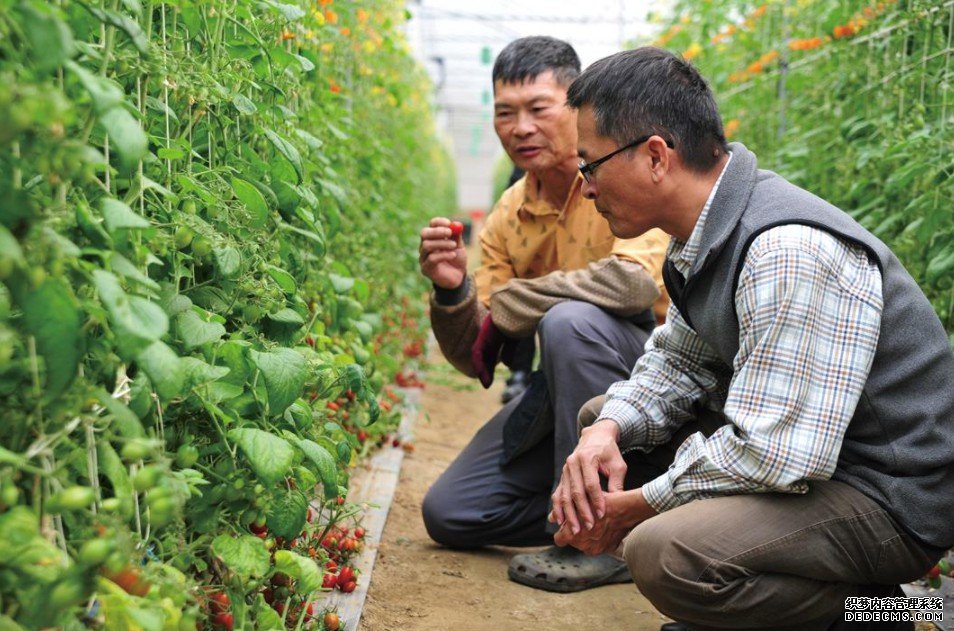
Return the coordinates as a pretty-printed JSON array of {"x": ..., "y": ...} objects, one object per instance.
[
  {"x": 789, "y": 432},
  {"x": 549, "y": 266}
]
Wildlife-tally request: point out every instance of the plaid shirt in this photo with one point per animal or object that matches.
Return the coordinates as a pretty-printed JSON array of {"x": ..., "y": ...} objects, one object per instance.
[{"x": 809, "y": 308}]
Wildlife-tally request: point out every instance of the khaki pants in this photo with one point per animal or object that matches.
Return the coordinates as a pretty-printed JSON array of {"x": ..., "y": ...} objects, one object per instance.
[{"x": 763, "y": 561}]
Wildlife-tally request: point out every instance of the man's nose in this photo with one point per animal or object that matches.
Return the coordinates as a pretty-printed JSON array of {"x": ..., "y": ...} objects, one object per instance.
[
  {"x": 525, "y": 124},
  {"x": 588, "y": 189}
]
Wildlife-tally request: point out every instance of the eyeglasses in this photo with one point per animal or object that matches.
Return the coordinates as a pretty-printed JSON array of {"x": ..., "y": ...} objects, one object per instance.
[{"x": 588, "y": 168}]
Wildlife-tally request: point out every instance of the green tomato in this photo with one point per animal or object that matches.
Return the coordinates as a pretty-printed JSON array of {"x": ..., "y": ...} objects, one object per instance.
[
  {"x": 183, "y": 237},
  {"x": 202, "y": 248},
  {"x": 72, "y": 498},
  {"x": 187, "y": 455},
  {"x": 66, "y": 594},
  {"x": 10, "y": 494},
  {"x": 188, "y": 207},
  {"x": 95, "y": 551},
  {"x": 146, "y": 478},
  {"x": 162, "y": 511},
  {"x": 111, "y": 505},
  {"x": 136, "y": 449}
]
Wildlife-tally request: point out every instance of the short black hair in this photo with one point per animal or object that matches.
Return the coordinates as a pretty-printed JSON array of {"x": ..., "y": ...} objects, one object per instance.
[
  {"x": 528, "y": 57},
  {"x": 649, "y": 90}
]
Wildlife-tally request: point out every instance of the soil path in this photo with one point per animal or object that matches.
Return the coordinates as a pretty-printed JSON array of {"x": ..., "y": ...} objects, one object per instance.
[{"x": 420, "y": 586}]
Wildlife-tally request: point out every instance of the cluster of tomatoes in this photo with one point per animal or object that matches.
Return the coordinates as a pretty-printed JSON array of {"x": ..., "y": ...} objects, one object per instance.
[{"x": 408, "y": 380}]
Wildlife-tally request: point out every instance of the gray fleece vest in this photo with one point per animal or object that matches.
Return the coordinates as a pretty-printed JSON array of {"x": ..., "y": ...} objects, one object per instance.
[{"x": 899, "y": 446}]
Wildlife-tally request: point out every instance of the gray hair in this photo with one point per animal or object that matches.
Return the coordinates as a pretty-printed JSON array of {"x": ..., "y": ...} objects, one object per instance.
[{"x": 528, "y": 57}]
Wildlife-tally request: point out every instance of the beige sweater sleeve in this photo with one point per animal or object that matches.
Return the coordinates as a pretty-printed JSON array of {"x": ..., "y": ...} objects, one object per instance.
[
  {"x": 618, "y": 286},
  {"x": 456, "y": 327}
]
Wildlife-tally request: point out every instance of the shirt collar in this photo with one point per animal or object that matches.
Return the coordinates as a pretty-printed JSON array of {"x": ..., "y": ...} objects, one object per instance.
[
  {"x": 683, "y": 253},
  {"x": 534, "y": 205}
]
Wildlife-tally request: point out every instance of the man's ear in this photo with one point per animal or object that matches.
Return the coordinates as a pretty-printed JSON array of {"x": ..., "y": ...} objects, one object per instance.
[{"x": 660, "y": 157}]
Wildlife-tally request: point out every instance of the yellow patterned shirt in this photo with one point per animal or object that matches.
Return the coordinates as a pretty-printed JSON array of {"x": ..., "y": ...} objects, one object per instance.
[{"x": 525, "y": 237}]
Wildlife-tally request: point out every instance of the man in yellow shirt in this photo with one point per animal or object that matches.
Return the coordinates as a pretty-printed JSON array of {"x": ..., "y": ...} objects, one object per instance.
[{"x": 550, "y": 266}]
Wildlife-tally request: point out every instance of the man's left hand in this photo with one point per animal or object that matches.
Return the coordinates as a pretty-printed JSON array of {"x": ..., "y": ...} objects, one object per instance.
[
  {"x": 624, "y": 511},
  {"x": 490, "y": 347}
]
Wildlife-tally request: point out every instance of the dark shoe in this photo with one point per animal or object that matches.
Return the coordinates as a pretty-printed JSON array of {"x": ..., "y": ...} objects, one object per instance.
[
  {"x": 674, "y": 626},
  {"x": 567, "y": 569},
  {"x": 515, "y": 385}
]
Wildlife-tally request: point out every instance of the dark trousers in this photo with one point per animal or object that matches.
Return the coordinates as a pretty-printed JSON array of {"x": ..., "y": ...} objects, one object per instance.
[{"x": 479, "y": 500}]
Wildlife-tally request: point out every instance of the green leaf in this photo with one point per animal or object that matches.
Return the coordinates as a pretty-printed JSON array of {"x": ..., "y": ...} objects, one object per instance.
[
  {"x": 302, "y": 569},
  {"x": 194, "y": 331},
  {"x": 316, "y": 238},
  {"x": 53, "y": 318},
  {"x": 118, "y": 216},
  {"x": 228, "y": 262},
  {"x": 10, "y": 252},
  {"x": 284, "y": 373},
  {"x": 287, "y": 515},
  {"x": 287, "y": 316},
  {"x": 306, "y": 64},
  {"x": 124, "y": 23},
  {"x": 106, "y": 94},
  {"x": 125, "y": 134},
  {"x": 271, "y": 456},
  {"x": 124, "y": 267},
  {"x": 285, "y": 280},
  {"x": 136, "y": 321},
  {"x": 115, "y": 471},
  {"x": 325, "y": 463},
  {"x": 165, "y": 371},
  {"x": 199, "y": 372},
  {"x": 288, "y": 150},
  {"x": 253, "y": 200},
  {"x": 342, "y": 284},
  {"x": 245, "y": 555},
  {"x": 289, "y": 11},
  {"x": 51, "y": 41},
  {"x": 344, "y": 452},
  {"x": 124, "y": 419},
  {"x": 244, "y": 104}
]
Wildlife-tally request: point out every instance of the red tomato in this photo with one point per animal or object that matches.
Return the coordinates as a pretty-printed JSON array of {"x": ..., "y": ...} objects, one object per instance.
[
  {"x": 348, "y": 587},
  {"x": 220, "y": 602},
  {"x": 346, "y": 575},
  {"x": 934, "y": 572},
  {"x": 329, "y": 581},
  {"x": 457, "y": 229},
  {"x": 223, "y": 620},
  {"x": 359, "y": 532}
]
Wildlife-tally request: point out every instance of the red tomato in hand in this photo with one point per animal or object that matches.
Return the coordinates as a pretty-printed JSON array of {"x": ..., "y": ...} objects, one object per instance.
[{"x": 457, "y": 229}]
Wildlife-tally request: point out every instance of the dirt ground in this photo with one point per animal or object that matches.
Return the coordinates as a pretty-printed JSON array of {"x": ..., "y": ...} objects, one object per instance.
[{"x": 419, "y": 586}]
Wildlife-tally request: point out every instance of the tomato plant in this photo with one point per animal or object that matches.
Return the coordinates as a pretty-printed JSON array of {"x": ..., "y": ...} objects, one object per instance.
[
  {"x": 848, "y": 99},
  {"x": 207, "y": 224}
]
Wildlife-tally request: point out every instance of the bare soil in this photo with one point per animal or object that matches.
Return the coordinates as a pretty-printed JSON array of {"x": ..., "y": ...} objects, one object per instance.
[{"x": 418, "y": 585}]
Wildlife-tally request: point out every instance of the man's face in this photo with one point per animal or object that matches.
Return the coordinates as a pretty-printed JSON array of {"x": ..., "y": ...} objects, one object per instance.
[
  {"x": 620, "y": 187},
  {"x": 534, "y": 125}
]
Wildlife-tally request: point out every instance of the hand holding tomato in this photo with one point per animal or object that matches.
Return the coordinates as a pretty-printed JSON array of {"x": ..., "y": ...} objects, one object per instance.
[{"x": 442, "y": 256}]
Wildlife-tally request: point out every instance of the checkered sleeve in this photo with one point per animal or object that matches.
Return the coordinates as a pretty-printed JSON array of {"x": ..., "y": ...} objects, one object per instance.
[
  {"x": 672, "y": 375},
  {"x": 809, "y": 309}
]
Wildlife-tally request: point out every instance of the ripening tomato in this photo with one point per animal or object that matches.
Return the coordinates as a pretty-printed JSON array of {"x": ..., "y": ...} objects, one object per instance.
[{"x": 332, "y": 622}]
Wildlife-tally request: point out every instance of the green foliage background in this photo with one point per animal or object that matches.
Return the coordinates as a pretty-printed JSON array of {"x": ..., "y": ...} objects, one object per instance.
[
  {"x": 208, "y": 216},
  {"x": 849, "y": 99}
]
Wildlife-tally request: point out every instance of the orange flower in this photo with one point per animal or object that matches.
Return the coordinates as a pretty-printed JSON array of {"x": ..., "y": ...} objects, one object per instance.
[
  {"x": 755, "y": 67},
  {"x": 286, "y": 35},
  {"x": 325, "y": 3},
  {"x": 731, "y": 127},
  {"x": 345, "y": 31},
  {"x": 331, "y": 17},
  {"x": 361, "y": 15},
  {"x": 334, "y": 87},
  {"x": 769, "y": 57},
  {"x": 760, "y": 11}
]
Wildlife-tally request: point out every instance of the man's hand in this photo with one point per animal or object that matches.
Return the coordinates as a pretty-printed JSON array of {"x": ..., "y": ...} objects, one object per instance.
[
  {"x": 442, "y": 256},
  {"x": 624, "y": 511},
  {"x": 490, "y": 347},
  {"x": 579, "y": 497}
]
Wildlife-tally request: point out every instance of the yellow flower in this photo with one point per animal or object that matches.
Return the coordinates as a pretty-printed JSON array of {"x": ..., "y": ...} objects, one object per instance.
[{"x": 692, "y": 52}]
